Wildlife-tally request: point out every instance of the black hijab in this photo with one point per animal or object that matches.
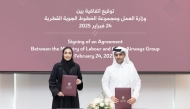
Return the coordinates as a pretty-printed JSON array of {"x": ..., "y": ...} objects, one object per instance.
[{"x": 67, "y": 65}]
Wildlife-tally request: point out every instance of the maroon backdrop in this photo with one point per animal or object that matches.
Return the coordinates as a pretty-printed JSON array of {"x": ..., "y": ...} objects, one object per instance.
[{"x": 156, "y": 32}]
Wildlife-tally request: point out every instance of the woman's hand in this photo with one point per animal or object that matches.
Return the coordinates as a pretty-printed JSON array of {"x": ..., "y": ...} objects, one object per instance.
[
  {"x": 78, "y": 81},
  {"x": 60, "y": 94}
]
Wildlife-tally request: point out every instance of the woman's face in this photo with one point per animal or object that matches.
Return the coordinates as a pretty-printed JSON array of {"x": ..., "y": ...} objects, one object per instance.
[{"x": 67, "y": 54}]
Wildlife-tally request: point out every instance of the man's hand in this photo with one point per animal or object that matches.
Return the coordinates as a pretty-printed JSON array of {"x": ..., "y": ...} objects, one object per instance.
[
  {"x": 60, "y": 94},
  {"x": 78, "y": 81},
  {"x": 114, "y": 99},
  {"x": 131, "y": 100}
]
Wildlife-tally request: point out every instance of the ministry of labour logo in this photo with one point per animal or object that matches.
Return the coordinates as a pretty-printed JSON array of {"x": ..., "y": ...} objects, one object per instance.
[{"x": 69, "y": 84}]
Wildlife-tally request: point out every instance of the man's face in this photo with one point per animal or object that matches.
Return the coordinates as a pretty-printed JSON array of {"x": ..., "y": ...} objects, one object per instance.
[{"x": 119, "y": 57}]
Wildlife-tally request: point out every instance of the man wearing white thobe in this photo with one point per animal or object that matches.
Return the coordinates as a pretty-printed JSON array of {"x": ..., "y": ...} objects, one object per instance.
[{"x": 121, "y": 74}]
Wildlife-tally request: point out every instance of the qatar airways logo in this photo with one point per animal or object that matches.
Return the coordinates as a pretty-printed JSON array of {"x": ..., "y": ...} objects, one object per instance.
[{"x": 123, "y": 99}]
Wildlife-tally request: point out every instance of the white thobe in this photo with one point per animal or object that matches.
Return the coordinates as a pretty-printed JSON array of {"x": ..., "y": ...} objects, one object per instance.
[{"x": 121, "y": 76}]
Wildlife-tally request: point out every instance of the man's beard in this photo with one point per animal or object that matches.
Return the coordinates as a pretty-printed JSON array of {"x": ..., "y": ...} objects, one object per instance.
[{"x": 119, "y": 60}]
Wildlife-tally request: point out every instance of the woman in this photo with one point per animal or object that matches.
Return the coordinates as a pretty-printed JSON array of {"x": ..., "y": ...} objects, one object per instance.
[{"x": 66, "y": 67}]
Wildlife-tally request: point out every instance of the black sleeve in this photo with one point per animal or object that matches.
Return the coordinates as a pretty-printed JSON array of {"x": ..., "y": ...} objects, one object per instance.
[
  {"x": 53, "y": 81},
  {"x": 80, "y": 86}
]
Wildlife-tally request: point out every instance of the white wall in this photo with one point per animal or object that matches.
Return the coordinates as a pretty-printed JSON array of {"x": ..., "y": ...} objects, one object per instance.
[
  {"x": 182, "y": 91},
  {"x": 159, "y": 91},
  {"x": 6, "y": 91}
]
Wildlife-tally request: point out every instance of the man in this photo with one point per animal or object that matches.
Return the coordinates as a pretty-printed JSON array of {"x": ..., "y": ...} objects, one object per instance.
[{"x": 121, "y": 73}]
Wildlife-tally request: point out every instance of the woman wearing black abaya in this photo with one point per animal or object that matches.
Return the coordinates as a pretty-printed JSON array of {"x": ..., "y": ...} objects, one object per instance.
[{"x": 66, "y": 67}]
